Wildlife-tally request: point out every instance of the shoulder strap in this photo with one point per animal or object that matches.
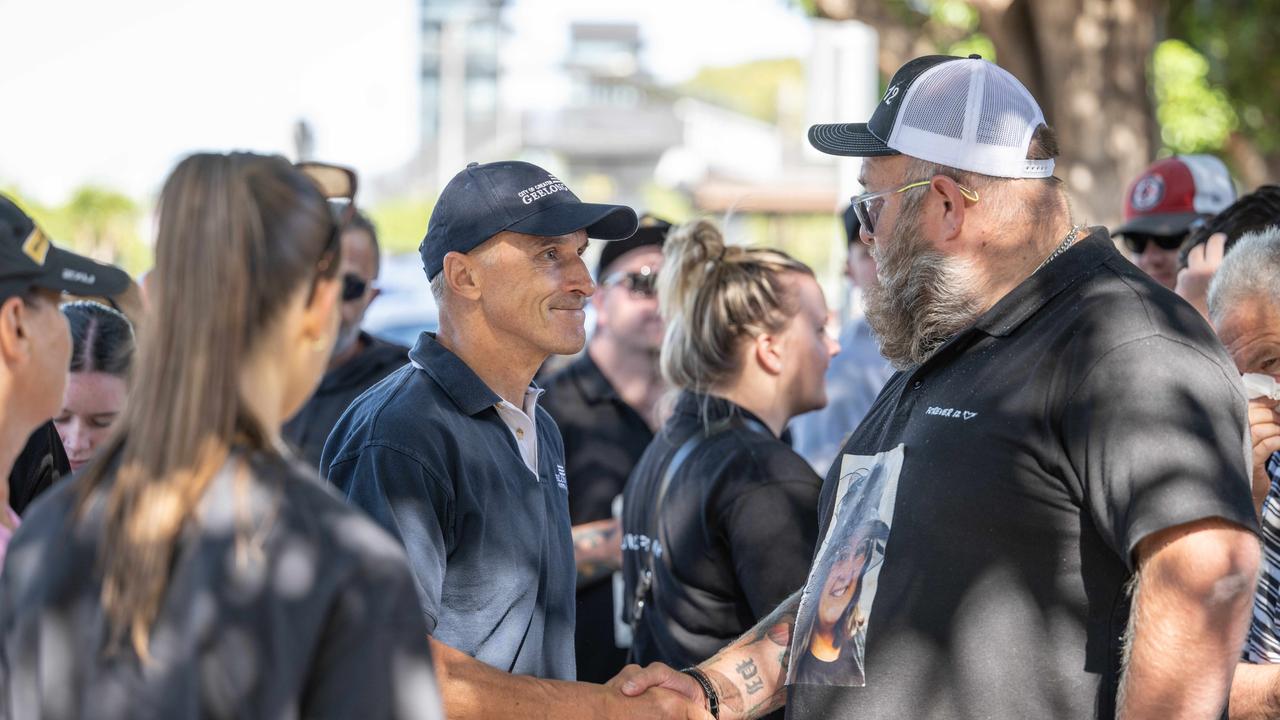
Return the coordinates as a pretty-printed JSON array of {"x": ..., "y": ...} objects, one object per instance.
[{"x": 644, "y": 585}]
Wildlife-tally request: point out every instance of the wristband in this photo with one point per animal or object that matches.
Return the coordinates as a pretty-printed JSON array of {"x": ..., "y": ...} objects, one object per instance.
[{"x": 713, "y": 697}]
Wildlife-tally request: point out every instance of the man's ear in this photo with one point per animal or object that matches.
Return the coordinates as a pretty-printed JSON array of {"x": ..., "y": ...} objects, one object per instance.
[
  {"x": 954, "y": 205},
  {"x": 462, "y": 275},
  {"x": 768, "y": 352},
  {"x": 15, "y": 345}
]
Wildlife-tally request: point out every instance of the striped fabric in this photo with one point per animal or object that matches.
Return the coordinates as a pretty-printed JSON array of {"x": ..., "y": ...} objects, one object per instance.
[{"x": 1263, "y": 645}]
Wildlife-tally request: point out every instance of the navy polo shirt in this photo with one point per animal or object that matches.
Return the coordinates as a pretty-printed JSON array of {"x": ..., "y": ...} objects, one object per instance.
[{"x": 426, "y": 454}]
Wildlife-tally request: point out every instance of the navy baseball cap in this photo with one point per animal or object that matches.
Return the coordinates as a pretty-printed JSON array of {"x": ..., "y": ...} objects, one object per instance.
[
  {"x": 484, "y": 200},
  {"x": 29, "y": 260}
]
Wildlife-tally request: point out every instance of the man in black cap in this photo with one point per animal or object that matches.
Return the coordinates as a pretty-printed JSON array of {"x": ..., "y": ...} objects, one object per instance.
[
  {"x": 604, "y": 403},
  {"x": 35, "y": 342},
  {"x": 453, "y": 456},
  {"x": 1058, "y": 465}
]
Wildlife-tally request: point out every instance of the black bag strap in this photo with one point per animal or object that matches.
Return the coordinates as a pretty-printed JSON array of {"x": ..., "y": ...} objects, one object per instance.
[{"x": 644, "y": 585}]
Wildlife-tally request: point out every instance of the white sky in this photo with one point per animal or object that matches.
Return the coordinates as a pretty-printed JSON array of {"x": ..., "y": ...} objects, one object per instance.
[{"x": 116, "y": 92}]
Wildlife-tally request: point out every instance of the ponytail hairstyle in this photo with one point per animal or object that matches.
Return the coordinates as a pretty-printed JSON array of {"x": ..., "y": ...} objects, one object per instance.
[
  {"x": 101, "y": 339},
  {"x": 238, "y": 236},
  {"x": 712, "y": 296}
]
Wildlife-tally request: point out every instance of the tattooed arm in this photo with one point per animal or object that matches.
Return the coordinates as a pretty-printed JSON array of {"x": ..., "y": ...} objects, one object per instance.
[
  {"x": 749, "y": 674},
  {"x": 597, "y": 549}
]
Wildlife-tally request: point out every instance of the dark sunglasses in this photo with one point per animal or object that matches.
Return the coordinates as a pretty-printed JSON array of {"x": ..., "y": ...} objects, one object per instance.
[
  {"x": 338, "y": 186},
  {"x": 353, "y": 287},
  {"x": 642, "y": 283},
  {"x": 1137, "y": 242}
]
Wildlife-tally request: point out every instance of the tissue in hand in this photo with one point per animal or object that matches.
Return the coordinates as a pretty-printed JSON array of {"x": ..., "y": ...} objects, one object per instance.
[{"x": 1257, "y": 385}]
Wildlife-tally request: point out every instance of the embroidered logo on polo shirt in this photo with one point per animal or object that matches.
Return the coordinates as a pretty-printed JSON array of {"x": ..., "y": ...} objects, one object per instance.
[
  {"x": 561, "y": 478},
  {"x": 951, "y": 413}
]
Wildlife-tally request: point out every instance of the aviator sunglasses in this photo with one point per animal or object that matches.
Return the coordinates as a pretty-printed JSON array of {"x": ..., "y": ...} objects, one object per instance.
[{"x": 641, "y": 283}]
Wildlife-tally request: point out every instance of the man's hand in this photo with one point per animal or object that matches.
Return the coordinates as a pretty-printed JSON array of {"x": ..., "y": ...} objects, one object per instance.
[
  {"x": 749, "y": 674},
  {"x": 658, "y": 702},
  {"x": 1202, "y": 263},
  {"x": 473, "y": 690},
  {"x": 1264, "y": 432},
  {"x": 635, "y": 680}
]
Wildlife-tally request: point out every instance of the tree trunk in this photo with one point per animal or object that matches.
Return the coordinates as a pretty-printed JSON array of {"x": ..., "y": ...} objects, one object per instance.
[{"x": 1085, "y": 61}]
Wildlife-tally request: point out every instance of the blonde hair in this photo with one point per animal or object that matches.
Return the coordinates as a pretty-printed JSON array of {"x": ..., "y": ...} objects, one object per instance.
[{"x": 713, "y": 295}]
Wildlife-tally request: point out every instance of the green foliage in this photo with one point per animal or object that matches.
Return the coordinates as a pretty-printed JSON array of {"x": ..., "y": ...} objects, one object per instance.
[
  {"x": 954, "y": 13},
  {"x": 750, "y": 88},
  {"x": 668, "y": 204},
  {"x": 96, "y": 221},
  {"x": 975, "y": 43},
  {"x": 1240, "y": 40},
  {"x": 1194, "y": 115},
  {"x": 401, "y": 222}
]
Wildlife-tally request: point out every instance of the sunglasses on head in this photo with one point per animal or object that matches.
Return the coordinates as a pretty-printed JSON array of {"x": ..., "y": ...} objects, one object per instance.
[
  {"x": 642, "y": 283},
  {"x": 353, "y": 287},
  {"x": 338, "y": 186},
  {"x": 1137, "y": 242}
]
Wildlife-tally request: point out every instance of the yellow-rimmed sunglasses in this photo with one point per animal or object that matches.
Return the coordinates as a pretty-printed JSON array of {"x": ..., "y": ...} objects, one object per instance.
[{"x": 867, "y": 206}]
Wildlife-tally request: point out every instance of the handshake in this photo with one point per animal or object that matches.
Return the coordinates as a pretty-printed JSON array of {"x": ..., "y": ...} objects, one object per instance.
[{"x": 655, "y": 691}]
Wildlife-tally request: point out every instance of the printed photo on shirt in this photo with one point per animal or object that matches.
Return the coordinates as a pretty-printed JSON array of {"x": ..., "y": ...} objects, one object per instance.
[{"x": 829, "y": 645}]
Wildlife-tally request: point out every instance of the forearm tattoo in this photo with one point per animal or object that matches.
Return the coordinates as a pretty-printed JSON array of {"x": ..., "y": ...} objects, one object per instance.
[
  {"x": 749, "y": 682},
  {"x": 596, "y": 550}
]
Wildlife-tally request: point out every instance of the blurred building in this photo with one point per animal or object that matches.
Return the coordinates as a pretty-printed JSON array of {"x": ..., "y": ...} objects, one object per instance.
[{"x": 618, "y": 134}]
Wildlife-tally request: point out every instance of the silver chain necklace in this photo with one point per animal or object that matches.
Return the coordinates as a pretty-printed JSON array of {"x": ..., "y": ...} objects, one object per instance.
[{"x": 1071, "y": 240}]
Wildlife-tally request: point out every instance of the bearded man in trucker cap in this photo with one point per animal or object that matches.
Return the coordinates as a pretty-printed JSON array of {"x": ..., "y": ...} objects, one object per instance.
[{"x": 1059, "y": 461}]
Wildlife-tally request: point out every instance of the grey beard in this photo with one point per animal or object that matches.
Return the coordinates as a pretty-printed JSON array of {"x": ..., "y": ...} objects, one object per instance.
[{"x": 923, "y": 299}]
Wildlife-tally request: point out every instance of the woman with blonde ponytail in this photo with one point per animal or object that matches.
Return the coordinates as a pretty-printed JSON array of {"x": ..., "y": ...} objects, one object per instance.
[
  {"x": 192, "y": 569},
  {"x": 720, "y": 516}
]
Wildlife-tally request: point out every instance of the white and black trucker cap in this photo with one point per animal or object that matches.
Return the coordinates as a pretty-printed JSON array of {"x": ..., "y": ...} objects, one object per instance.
[{"x": 964, "y": 113}]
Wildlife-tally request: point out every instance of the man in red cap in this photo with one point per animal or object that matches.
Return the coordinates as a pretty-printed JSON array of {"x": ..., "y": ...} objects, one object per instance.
[{"x": 1166, "y": 202}]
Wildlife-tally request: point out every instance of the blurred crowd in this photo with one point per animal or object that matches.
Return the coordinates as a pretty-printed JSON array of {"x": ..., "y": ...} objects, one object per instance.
[{"x": 1035, "y": 473}]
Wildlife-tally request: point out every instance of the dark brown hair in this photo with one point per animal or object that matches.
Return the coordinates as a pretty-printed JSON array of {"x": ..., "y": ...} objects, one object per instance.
[{"x": 238, "y": 235}]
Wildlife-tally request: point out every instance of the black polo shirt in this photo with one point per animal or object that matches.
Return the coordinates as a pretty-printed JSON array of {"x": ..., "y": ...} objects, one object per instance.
[
  {"x": 604, "y": 438},
  {"x": 739, "y": 524},
  {"x": 310, "y": 427},
  {"x": 426, "y": 454},
  {"x": 1089, "y": 408}
]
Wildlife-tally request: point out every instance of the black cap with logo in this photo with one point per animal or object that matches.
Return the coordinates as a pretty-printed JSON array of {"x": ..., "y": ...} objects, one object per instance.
[
  {"x": 484, "y": 200},
  {"x": 652, "y": 232},
  {"x": 29, "y": 260}
]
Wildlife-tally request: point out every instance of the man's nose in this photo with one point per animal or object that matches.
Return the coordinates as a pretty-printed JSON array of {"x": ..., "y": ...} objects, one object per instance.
[{"x": 579, "y": 278}]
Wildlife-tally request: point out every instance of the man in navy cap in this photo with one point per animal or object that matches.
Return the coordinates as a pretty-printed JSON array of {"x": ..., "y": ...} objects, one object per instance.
[
  {"x": 35, "y": 343},
  {"x": 453, "y": 455}
]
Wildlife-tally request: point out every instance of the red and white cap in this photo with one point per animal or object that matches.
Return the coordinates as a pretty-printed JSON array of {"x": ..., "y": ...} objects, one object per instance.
[{"x": 1172, "y": 194}]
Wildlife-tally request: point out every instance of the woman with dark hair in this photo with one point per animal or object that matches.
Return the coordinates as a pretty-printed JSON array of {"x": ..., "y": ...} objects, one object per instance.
[
  {"x": 101, "y": 354},
  {"x": 191, "y": 570},
  {"x": 720, "y": 516}
]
